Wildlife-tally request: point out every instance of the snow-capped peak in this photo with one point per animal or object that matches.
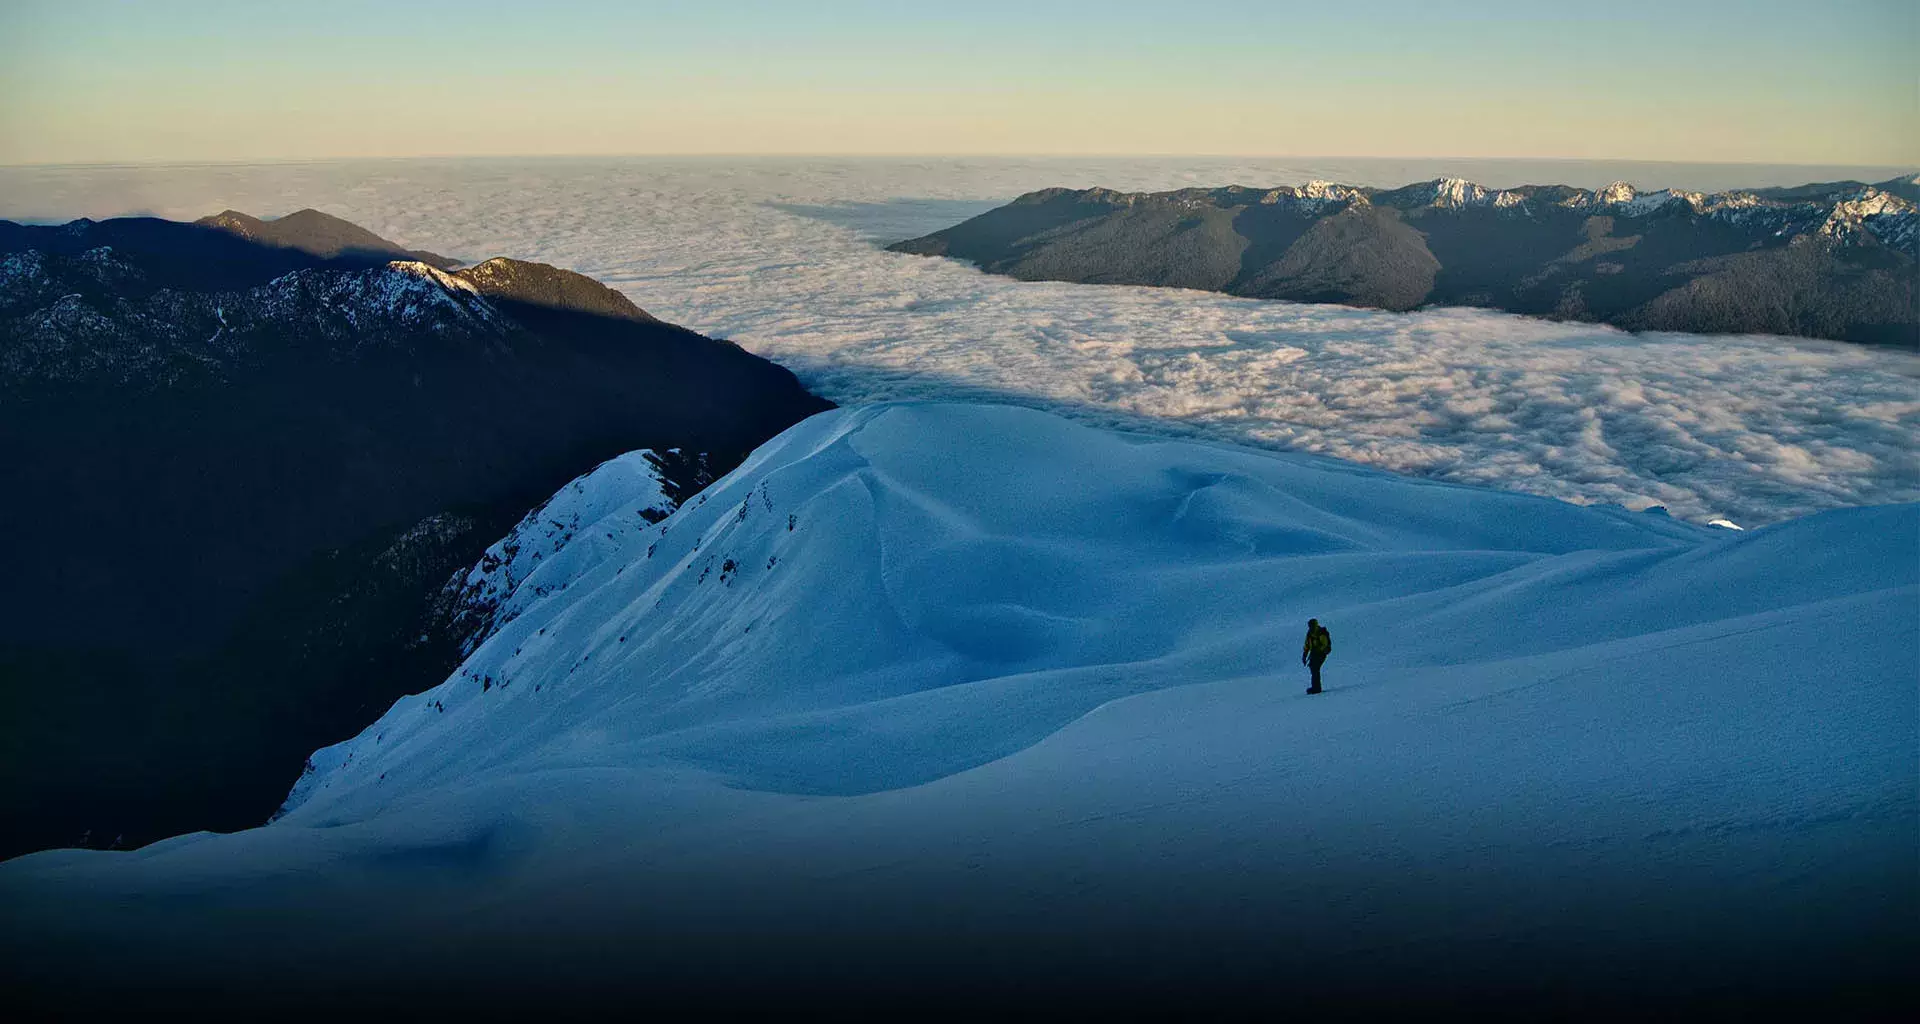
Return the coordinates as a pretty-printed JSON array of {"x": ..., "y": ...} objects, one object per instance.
[
  {"x": 1649, "y": 202},
  {"x": 1460, "y": 194},
  {"x": 1870, "y": 201},
  {"x": 1314, "y": 195},
  {"x": 413, "y": 292},
  {"x": 1887, "y": 217},
  {"x": 415, "y": 268},
  {"x": 1618, "y": 192},
  {"x": 1457, "y": 192}
]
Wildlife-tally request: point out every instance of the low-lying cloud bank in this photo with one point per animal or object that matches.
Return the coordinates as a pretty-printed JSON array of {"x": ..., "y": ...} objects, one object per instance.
[
  {"x": 782, "y": 256},
  {"x": 1752, "y": 429}
]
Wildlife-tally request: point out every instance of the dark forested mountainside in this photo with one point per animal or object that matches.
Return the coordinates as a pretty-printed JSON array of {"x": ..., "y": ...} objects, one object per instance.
[
  {"x": 242, "y": 462},
  {"x": 1833, "y": 260}
]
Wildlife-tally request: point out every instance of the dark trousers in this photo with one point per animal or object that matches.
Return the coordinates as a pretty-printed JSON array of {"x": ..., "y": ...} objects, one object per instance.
[{"x": 1314, "y": 662}]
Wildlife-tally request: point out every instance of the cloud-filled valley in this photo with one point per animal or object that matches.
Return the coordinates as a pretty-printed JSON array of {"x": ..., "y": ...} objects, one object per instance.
[{"x": 784, "y": 258}]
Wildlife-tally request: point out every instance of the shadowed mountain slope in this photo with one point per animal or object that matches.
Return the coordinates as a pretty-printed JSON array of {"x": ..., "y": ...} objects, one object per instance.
[
  {"x": 240, "y": 474},
  {"x": 318, "y": 234}
]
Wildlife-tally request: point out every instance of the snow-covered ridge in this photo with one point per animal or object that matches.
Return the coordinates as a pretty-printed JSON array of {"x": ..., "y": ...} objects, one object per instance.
[
  {"x": 449, "y": 282},
  {"x": 1051, "y": 683},
  {"x": 1617, "y": 193},
  {"x": 1651, "y": 202},
  {"x": 1868, "y": 213},
  {"x": 794, "y": 519},
  {"x": 767, "y": 589},
  {"x": 76, "y": 324},
  {"x": 554, "y": 541},
  {"x": 1885, "y": 216},
  {"x": 404, "y": 292},
  {"x": 1313, "y": 196},
  {"x": 1459, "y": 193}
]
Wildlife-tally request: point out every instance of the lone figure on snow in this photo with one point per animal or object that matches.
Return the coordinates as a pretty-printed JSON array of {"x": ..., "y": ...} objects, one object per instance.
[{"x": 1312, "y": 653}]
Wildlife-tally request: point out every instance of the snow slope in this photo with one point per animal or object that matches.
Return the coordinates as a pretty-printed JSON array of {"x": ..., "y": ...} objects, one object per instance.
[
  {"x": 975, "y": 697},
  {"x": 626, "y": 490}
]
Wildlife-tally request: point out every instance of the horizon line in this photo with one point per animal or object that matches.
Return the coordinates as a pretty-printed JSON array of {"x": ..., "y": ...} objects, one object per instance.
[{"x": 742, "y": 155}]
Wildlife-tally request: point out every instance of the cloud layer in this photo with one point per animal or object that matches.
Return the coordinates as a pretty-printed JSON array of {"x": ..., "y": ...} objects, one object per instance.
[{"x": 782, "y": 257}]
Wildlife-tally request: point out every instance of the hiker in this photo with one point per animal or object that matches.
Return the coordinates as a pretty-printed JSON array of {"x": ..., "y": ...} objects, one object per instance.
[{"x": 1319, "y": 644}]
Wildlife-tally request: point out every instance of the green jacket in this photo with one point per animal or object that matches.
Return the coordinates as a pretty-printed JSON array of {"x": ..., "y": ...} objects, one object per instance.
[{"x": 1319, "y": 642}]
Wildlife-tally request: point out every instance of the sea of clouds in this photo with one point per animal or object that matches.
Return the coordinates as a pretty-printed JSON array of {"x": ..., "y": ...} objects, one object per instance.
[{"x": 784, "y": 257}]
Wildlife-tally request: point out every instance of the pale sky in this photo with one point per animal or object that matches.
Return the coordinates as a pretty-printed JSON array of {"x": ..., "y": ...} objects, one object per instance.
[{"x": 1767, "y": 81}]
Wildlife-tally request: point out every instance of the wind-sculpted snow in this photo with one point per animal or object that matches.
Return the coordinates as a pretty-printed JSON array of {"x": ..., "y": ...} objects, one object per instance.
[
  {"x": 933, "y": 613},
  {"x": 784, "y": 258},
  {"x": 917, "y": 673},
  {"x": 848, "y": 580}
]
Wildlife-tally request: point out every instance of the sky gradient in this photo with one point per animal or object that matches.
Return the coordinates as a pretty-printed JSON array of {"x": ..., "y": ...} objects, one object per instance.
[{"x": 1684, "y": 80}]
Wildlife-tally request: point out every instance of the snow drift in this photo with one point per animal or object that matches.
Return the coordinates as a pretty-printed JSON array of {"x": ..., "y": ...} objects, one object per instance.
[{"x": 976, "y": 697}]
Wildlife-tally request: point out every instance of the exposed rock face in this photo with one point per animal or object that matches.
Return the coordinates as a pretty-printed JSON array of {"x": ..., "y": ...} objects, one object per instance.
[
  {"x": 1833, "y": 260},
  {"x": 550, "y": 287},
  {"x": 238, "y": 476}
]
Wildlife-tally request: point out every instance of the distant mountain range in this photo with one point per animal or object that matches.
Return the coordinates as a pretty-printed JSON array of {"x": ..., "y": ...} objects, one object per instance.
[
  {"x": 1831, "y": 260},
  {"x": 244, "y": 457}
]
